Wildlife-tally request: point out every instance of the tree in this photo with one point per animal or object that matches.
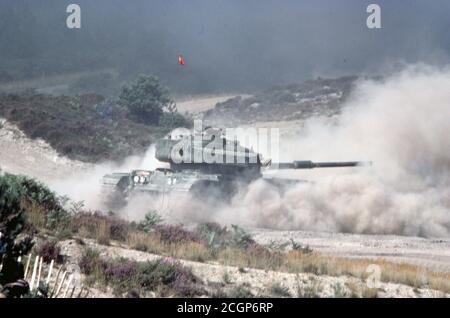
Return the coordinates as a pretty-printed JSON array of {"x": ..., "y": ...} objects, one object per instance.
[{"x": 146, "y": 99}]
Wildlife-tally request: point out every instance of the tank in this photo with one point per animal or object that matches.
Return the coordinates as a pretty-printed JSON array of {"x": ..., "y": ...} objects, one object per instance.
[{"x": 203, "y": 164}]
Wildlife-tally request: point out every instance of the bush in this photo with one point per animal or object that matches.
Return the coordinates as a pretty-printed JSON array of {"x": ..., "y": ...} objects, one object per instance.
[
  {"x": 175, "y": 234},
  {"x": 146, "y": 100},
  {"x": 217, "y": 236},
  {"x": 100, "y": 227},
  {"x": 122, "y": 273},
  {"x": 171, "y": 274},
  {"x": 12, "y": 221},
  {"x": 43, "y": 206},
  {"x": 151, "y": 220},
  {"x": 90, "y": 262},
  {"x": 166, "y": 276},
  {"x": 49, "y": 251}
]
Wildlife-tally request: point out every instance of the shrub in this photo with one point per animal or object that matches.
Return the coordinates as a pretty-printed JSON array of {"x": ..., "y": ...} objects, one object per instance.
[
  {"x": 146, "y": 100},
  {"x": 101, "y": 227},
  {"x": 166, "y": 276},
  {"x": 212, "y": 233},
  {"x": 217, "y": 236},
  {"x": 43, "y": 206},
  {"x": 122, "y": 274},
  {"x": 151, "y": 220},
  {"x": 175, "y": 234},
  {"x": 49, "y": 250},
  {"x": 241, "y": 238},
  {"x": 170, "y": 273},
  {"x": 12, "y": 221},
  {"x": 90, "y": 262}
]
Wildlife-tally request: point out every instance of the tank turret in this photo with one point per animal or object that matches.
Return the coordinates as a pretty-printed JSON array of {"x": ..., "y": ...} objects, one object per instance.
[{"x": 227, "y": 158}]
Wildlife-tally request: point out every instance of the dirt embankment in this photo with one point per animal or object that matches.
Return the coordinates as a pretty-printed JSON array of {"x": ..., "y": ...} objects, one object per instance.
[{"x": 36, "y": 158}]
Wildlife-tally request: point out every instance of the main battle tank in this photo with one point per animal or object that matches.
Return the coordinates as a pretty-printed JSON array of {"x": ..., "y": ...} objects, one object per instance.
[{"x": 204, "y": 164}]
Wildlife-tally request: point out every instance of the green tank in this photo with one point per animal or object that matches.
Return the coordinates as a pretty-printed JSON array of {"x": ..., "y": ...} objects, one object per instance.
[{"x": 203, "y": 164}]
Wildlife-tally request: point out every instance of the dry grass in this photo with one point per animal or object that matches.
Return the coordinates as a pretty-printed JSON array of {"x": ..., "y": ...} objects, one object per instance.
[
  {"x": 406, "y": 274},
  {"x": 36, "y": 215},
  {"x": 152, "y": 243},
  {"x": 298, "y": 262},
  {"x": 104, "y": 229},
  {"x": 103, "y": 233}
]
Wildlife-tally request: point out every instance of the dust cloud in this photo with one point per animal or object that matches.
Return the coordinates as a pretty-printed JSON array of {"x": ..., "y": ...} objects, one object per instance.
[{"x": 400, "y": 123}]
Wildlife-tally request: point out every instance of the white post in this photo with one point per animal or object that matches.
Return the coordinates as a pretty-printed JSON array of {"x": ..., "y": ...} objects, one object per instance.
[
  {"x": 69, "y": 282},
  {"x": 55, "y": 285},
  {"x": 33, "y": 275},
  {"x": 26, "y": 267},
  {"x": 47, "y": 281},
  {"x": 39, "y": 272},
  {"x": 60, "y": 284}
]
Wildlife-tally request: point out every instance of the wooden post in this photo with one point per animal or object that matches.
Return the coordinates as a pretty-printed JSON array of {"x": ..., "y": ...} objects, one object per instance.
[
  {"x": 69, "y": 282},
  {"x": 33, "y": 275},
  {"x": 39, "y": 272},
  {"x": 56, "y": 282},
  {"x": 60, "y": 285},
  {"x": 47, "y": 281},
  {"x": 26, "y": 267}
]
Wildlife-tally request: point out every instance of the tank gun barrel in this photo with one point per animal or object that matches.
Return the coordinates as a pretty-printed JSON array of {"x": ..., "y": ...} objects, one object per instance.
[{"x": 312, "y": 165}]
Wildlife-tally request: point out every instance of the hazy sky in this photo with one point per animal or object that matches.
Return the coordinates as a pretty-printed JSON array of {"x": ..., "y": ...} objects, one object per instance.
[{"x": 228, "y": 44}]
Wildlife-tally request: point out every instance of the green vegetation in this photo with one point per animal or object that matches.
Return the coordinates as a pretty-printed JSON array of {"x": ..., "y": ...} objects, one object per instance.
[
  {"x": 146, "y": 100},
  {"x": 12, "y": 244},
  {"x": 151, "y": 220}
]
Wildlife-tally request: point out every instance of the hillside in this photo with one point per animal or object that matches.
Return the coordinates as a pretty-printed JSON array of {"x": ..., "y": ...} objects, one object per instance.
[
  {"x": 86, "y": 128},
  {"x": 319, "y": 97}
]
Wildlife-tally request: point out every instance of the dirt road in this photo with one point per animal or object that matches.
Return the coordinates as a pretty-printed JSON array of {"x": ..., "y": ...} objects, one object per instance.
[{"x": 200, "y": 103}]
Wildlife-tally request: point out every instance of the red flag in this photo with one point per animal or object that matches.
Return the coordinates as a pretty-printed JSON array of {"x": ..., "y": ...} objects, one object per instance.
[{"x": 181, "y": 60}]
